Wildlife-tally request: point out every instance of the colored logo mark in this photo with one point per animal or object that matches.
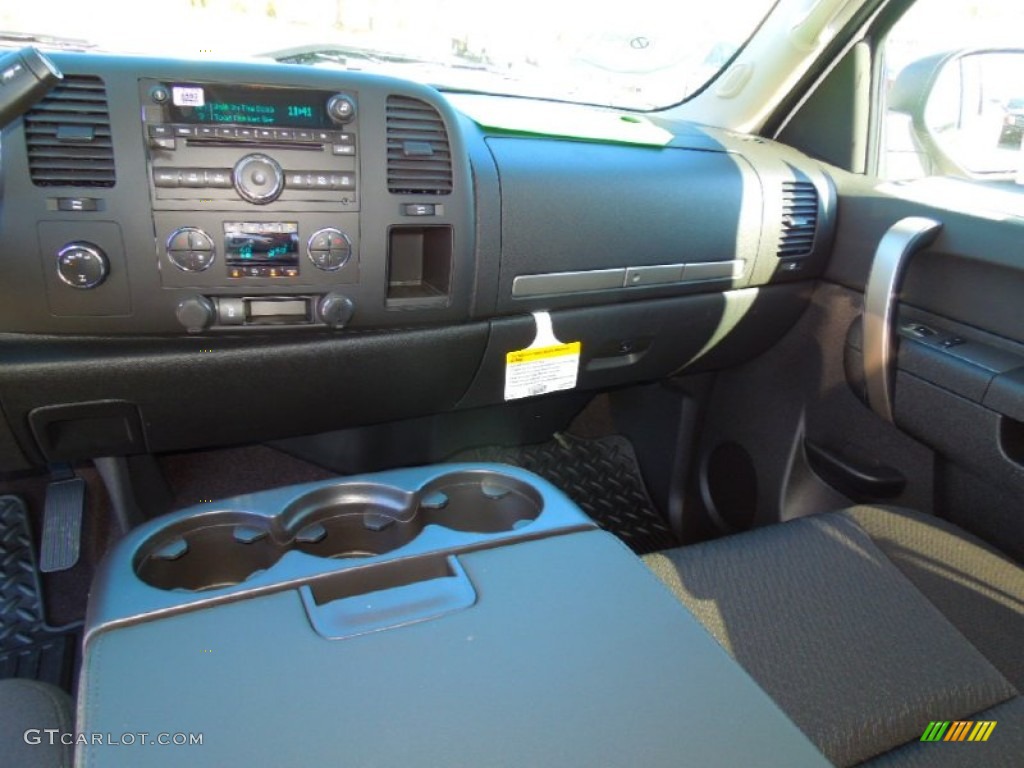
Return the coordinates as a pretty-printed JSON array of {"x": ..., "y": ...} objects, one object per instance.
[{"x": 959, "y": 730}]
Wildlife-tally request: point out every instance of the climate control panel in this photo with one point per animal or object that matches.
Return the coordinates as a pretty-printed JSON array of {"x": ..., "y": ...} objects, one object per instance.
[{"x": 211, "y": 251}]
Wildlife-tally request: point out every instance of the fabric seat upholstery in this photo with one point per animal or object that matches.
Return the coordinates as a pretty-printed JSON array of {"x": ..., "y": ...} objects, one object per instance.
[{"x": 864, "y": 625}]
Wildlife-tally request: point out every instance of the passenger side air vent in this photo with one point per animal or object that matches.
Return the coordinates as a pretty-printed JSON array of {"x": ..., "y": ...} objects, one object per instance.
[
  {"x": 419, "y": 158},
  {"x": 68, "y": 136},
  {"x": 799, "y": 219}
]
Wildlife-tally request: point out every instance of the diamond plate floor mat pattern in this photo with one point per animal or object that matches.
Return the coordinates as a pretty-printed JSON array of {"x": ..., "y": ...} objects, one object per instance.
[
  {"x": 601, "y": 475},
  {"x": 28, "y": 647}
]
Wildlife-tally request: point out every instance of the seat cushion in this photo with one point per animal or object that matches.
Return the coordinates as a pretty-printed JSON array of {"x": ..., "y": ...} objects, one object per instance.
[
  {"x": 979, "y": 590},
  {"x": 848, "y": 646},
  {"x": 27, "y": 709}
]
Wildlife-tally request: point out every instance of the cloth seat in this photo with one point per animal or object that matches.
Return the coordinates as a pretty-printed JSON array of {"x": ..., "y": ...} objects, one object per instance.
[
  {"x": 865, "y": 625},
  {"x": 30, "y": 707}
]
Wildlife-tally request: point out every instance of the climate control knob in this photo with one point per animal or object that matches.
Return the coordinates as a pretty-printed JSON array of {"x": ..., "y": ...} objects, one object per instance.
[
  {"x": 336, "y": 309},
  {"x": 196, "y": 313},
  {"x": 191, "y": 250},
  {"x": 258, "y": 178},
  {"x": 82, "y": 265},
  {"x": 329, "y": 249}
]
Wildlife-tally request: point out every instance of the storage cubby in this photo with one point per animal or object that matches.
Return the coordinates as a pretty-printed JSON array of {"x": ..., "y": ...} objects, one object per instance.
[{"x": 419, "y": 265}]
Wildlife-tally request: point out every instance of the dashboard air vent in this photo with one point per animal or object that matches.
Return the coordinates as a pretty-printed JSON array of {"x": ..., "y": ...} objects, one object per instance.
[
  {"x": 419, "y": 157},
  {"x": 68, "y": 135},
  {"x": 799, "y": 219}
]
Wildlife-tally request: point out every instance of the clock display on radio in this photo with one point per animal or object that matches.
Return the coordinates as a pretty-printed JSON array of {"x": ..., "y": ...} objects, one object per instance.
[{"x": 248, "y": 105}]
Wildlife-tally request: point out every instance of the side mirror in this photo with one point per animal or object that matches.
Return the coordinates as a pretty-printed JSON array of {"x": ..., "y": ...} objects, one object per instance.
[{"x": 964, "y": 112}]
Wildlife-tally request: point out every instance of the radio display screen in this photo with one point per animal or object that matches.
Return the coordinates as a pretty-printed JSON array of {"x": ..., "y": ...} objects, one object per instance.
[
  {"x": 248, "y": 105},
  {"x": 274, "y": 244}
]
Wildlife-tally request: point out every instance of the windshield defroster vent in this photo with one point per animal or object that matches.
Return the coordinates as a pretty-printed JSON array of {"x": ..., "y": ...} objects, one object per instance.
[
  {"x": 799, "y": 219},
  {"x": 419, "y": 157},
  {"x": 68, "y": 135}
]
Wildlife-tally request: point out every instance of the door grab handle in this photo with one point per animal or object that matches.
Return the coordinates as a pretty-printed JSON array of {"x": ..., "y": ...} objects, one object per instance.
[{"x": 902, "y": 240}]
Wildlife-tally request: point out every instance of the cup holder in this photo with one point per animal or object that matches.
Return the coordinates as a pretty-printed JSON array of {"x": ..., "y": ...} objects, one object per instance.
[
  {"x": 208, "y": 552},
  {"x": 342, "y": 520}
]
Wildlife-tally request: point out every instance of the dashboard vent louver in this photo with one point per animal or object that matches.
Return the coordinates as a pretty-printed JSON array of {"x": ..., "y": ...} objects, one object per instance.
[
  {"x": 68, "y": 135},
  {"x": 419, "y": 157},
  {"x": 799, "y": 219}
]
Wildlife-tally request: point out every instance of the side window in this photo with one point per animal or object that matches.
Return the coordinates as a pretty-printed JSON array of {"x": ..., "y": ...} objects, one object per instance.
[{"x": 954, "y": 92}]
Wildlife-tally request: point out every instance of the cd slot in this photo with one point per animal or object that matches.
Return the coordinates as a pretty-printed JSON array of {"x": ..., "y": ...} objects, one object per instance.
[{"x": 269, "y": 144}]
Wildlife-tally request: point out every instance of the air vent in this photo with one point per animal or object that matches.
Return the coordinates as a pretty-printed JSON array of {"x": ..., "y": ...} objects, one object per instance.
[
  {"x": 419, "y": 158},
  {"x": 799, "y": 219},
  {"x": 68, "y": 136}
]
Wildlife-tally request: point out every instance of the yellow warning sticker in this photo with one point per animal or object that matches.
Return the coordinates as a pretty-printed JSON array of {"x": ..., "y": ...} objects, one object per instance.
[{"x": 540, "y": 370}]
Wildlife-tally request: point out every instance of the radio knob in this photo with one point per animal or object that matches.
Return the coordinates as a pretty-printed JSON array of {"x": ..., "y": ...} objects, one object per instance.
[
  {"x": 341, "y": 109},
  {"x": 258, "y": 178},
  {"x": 82, "y": 265}
]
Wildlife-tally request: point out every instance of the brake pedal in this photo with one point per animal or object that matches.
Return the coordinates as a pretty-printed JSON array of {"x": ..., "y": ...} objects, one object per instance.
[{"x": 62, "y": 523}]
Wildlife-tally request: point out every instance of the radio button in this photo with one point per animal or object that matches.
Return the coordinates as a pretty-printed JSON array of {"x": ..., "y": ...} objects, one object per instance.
[
  {"x": 343, "y": 181},
  {"x": 294, "y": 180},
  {"x": 324, "y": 136},
  {"x": 226, "y": 133},
  {"x": 284, "y": 134},
  {"x": 246, "y": 133},
  {"x": 206, "y": 132},
  {"x": 218, "y": 179},
  {"x": 165, "y": 177},
  {"x": 304, "y": 135},
  {"x": 265, "y": 133},
  {"x": 192, "y": 177},
  {"x": 184, "y": 131},
  {"x": 158, "y": 131}
]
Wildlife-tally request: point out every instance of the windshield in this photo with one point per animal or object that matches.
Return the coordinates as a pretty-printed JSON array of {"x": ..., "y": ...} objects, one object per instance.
[{"x": 642, "y": 54}]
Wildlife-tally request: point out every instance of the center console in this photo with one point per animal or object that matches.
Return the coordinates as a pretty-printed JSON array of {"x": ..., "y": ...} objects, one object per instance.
[
  {"x": 214, "y": 148},
  {"x": 464, "y": 614}
]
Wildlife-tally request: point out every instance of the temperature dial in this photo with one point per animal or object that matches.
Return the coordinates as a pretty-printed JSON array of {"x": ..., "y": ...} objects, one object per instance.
[
  {"x": 82, "y": 265},
  {"x": 191, "y": 249},
  {"x": 329, "y": 249}
]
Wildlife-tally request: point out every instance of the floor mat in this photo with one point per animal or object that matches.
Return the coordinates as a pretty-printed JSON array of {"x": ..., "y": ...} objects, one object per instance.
[
  {"x": 601, "y": 475},
  {"x": 28, "y": 647}
]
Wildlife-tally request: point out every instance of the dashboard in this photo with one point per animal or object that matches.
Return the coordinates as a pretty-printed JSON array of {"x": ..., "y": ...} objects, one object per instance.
[{"x": 186, "y": 246}]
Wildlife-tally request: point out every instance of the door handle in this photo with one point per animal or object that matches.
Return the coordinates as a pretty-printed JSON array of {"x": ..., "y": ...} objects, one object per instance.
[{"x": 902, "y": 240}]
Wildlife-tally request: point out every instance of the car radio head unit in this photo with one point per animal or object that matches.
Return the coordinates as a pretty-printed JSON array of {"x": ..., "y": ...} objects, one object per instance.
[{"x": 221, "y": 104}]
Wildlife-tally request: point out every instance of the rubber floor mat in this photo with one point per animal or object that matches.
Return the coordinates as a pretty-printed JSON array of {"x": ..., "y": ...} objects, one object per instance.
[
  {"x": 28, "y": 647},
  {"x": 601, "y": 475}
]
